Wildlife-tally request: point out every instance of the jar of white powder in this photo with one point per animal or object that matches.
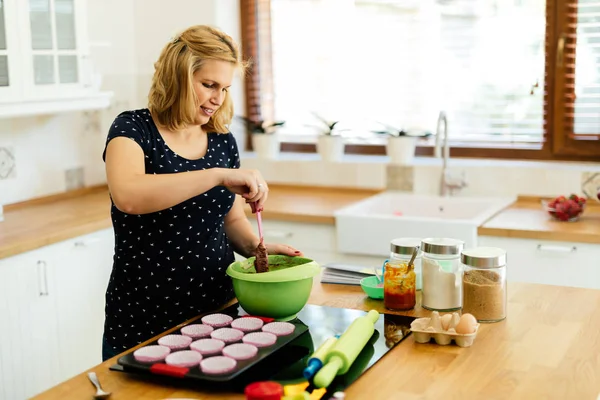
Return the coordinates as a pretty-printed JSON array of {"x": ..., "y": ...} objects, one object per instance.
[{"x": 442, "y": 274}]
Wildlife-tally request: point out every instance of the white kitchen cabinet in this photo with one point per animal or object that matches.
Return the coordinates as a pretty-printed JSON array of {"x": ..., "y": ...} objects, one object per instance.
[
  {"x": 28, "y": 338},
  {"x": 52, "y": 313},
  {"x": 549, "y": 262},
  {"x": 81, "y": 280},
  {"x": 44, "y": 58}
]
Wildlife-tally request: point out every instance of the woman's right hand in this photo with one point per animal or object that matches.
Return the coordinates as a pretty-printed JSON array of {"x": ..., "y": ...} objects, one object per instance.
[{"x": 248, "y": 183}]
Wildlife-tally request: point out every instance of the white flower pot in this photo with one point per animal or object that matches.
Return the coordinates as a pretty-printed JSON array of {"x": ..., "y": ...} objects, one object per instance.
[
  {"x": 401, "y": 149},
  {"x": 266, "y": 146},
  {"x": 331, "y": 148}
]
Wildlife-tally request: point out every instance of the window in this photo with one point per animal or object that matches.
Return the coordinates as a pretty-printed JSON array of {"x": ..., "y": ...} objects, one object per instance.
[
  {"x": 8, "y": 51},
  {"x": 3, "y": 51},
  {"x": 53, "y": 44},
  {"x": 517, "y": 78},
  {"x": 577, "y": 94}
]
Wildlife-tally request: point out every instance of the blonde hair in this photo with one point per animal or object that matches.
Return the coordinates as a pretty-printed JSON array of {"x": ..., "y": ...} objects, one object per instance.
[{"x": 172, "y": 100}]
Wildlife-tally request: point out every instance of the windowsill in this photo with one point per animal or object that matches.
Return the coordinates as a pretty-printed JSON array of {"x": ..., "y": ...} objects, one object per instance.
[
  {"x": 431, "y": 161},
  {"x": 519, "y": 152},
  {"x": 94, "y": 101}
]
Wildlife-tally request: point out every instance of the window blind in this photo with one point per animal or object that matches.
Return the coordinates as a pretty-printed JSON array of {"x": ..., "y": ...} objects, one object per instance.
[
  {"x": 583, "y": 58},
  {"x": 401, "y": 62}
]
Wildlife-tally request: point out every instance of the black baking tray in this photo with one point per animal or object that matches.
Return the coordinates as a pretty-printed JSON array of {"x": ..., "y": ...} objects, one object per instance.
[
  {"x": 287, "y": 365},
  {"x": 194, "y": 373}
]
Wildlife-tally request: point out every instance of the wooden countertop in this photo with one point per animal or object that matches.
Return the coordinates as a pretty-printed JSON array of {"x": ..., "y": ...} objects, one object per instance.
[
  {"x": 36, "y": 223},
  {"x": 525, "y": 219},
  {"x": 40, "y": 222},
  {"x": 547, "y": 348}
]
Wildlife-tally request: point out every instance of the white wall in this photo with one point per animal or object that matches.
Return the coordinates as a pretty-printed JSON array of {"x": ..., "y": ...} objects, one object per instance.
[
  {"x": 126, "y": 38},
  {"x": 156, "y": 24}
]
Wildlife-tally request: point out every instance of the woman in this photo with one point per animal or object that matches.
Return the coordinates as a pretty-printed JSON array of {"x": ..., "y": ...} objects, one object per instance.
[{"x": 178, "y": 194}]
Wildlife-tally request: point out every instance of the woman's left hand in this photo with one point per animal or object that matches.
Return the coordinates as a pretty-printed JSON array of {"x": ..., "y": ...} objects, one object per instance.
[{"x": 282, "y": 249}]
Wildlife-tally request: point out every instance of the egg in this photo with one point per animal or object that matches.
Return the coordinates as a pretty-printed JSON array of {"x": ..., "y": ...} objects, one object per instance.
[
  {"x": 454, "y": 321},
  {"x": 446, "y": 319},
  {"x": 436, "y": 321},
  {"x": 466, "y": 324}
]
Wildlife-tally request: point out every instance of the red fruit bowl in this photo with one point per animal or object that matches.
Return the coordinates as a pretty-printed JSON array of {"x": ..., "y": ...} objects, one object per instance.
[{"x": 566, "y": 209}]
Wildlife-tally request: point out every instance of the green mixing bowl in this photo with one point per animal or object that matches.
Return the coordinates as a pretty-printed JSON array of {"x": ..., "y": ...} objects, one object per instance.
[
  {"x": 280, "y": 293},
  {"x": 369, "y": 286}
]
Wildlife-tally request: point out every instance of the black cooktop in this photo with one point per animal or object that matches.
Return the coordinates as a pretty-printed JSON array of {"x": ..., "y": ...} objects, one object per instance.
[{"x": 286, "y": 365}]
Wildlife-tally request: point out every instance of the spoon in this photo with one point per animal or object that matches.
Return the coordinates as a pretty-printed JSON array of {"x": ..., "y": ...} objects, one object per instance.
[
  {"x": 379, "y": 278},
  {"x": 411, "y": 263},
  {"x": 100, "y": 394},
  {"x": 383, "y": 270},
  {"x": 262, "y": 260},
  {"x": 258, "y": 220}
]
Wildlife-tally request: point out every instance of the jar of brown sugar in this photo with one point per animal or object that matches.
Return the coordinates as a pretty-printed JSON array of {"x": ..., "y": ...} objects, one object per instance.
[{"x": 484, "y": 283}]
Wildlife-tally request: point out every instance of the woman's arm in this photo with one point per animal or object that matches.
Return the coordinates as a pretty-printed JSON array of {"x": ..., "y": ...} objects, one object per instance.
[
  {"x": 135, "y": 192},
  {"x": 241, "y": 234}
]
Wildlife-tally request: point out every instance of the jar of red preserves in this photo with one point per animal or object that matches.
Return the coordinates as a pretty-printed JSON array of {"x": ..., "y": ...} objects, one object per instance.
[{"x": 399, "y": 285}]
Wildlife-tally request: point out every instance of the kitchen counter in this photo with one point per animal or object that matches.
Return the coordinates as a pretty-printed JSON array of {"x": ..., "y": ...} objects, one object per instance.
[
  {"x": 40, "y": 222},
  {"x": 547, "y": 348},
  {"x": 526, "y": 219},
  {"x": 36, "y": 223}
]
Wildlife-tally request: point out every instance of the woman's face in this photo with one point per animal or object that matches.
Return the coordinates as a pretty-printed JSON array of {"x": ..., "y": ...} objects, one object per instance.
[{"x": 211, "y": 83}]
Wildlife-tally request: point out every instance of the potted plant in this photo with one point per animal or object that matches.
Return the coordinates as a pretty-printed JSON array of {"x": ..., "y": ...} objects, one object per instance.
[
  {"x": 401, "y": 144},
  {"x": 265, "y": 142},
  {"x": 330, "y": 144}
]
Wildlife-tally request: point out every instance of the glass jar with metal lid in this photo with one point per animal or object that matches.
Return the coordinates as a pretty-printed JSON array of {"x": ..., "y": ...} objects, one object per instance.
[
  {"x": 442, "y": 274},
  {"x": 401, "y": 250},
  {"x": 484, "y": 283}
]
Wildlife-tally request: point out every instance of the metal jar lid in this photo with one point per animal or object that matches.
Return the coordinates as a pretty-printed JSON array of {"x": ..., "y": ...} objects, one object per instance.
[
  {"x": 404, "y": 246},
  {"x": 484, "y": 257},
  {"x": 442, "y": 246}
]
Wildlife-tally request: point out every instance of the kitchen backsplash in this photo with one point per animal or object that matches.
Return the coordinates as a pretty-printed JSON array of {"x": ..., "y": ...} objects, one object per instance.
[{"x": 483, "y": 177}]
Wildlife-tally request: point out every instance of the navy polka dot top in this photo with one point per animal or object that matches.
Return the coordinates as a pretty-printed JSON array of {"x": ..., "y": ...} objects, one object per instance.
[{"x": 170, "y": 265}]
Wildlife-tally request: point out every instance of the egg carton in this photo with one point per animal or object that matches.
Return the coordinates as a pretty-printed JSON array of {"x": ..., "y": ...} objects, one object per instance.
[{"x": 424, "y": 329}]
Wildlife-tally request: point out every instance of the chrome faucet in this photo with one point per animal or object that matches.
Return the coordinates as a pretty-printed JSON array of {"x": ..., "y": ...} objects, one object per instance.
[
  {"x": 442, "y": 120},
  {"x": 447, "y": 185}
]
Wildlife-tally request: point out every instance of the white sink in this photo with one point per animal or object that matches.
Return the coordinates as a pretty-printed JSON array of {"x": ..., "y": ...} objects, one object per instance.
[{"x": 367, "y": 227}]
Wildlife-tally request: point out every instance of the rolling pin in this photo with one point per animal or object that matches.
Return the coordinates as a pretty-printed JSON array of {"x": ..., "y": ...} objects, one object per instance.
[
  {"x": 315, "y": 362},
  {"x": 345, "y": 350}
]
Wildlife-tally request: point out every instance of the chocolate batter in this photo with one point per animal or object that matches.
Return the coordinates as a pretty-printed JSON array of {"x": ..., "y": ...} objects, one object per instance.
[{"x": 261, "y": 263}]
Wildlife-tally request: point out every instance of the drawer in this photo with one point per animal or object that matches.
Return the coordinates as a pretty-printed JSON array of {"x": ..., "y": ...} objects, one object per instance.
[
  {"x": 303, "y": 236},
  {"x": 549, "y": 262}
]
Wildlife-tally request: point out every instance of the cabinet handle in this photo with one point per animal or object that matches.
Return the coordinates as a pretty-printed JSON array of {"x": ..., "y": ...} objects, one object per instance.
[
  {"x": 557, "y": 249},
  {"x": 42, "y": 277}
]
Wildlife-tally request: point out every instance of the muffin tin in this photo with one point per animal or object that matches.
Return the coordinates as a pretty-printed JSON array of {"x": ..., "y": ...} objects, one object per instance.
[
  {"x": 424, "y": 331},
  {"x": 130, "y": 363}
]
